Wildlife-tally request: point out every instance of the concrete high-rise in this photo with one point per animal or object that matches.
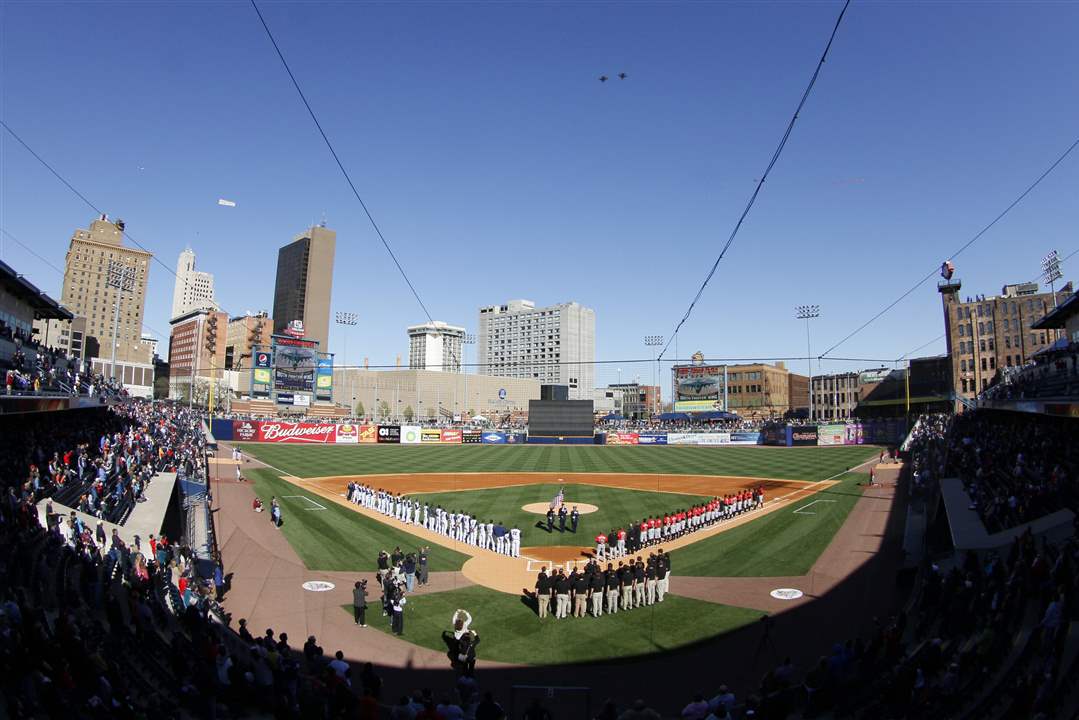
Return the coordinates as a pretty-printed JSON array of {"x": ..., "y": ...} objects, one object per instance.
[
  {"x": 435, "y": 346},
  {"x": 555, "y": 345},
  {"x": 304, "y": 283},
  {"x": 193, "y": 289},
  {"x": 88, "y": 293}
]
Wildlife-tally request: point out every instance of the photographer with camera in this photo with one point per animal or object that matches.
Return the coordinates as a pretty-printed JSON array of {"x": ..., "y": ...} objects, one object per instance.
[{"x": 359, "y": 603}]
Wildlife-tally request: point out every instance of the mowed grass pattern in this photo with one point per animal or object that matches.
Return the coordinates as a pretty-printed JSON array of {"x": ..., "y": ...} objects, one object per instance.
[
  {"x": 617, "y": 507},
  {"x": 338, "y": 538},
  {"x": 781, "y": 543},
  {"x": 510, "y": 630},
  {"x": 808, "y": 463}
]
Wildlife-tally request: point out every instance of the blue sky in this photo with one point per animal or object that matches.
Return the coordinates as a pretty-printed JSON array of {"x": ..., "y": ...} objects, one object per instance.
[{"x": 499, "y": 167}]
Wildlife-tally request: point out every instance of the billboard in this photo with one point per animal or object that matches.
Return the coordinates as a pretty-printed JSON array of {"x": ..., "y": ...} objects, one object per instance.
[
  {"x": 853, "y": 434},
  {"x": 389, "y": 433},
  {"x": 803, "y": 435},
  {"x": 835, "y": 434},
  {"x": 622, "y": 438},
  {"x": 430, "y": 435},
  {"x": 652, "y": 439},
  {"x": 247, "y": 430},
  {"x": 698, "y": 438},
  {"x": 491, "y": 437},
  {"x": 288, "y": 432},
  {"x": 697, "y": 388},
  {"x": 368, "y": 433},
  {"x": 775, "y": 435},
  {"x": 471, "y": 437},
  {"x": 451, "y": 436},
  {"x": 410, "y": 434},
  {"x": 296, "y": 361},
  {"x": 348, "y": 434},
  {"x": 324, "y": 378},
  {"x": 261, "y": 373},
  {"x": 745, "y": 438}
]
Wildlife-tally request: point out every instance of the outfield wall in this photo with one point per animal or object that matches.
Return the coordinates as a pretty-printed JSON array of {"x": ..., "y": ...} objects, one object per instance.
[{"x": 328, "y": 433}]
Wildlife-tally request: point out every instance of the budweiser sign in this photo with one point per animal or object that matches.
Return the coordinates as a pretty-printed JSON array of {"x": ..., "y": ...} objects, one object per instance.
[{"x": 282, "y": 432}]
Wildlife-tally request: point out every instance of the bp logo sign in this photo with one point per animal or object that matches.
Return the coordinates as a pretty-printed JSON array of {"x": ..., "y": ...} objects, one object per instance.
[
  {"x": 412, "y": 435},
  {"x": 318, "y": 586}
]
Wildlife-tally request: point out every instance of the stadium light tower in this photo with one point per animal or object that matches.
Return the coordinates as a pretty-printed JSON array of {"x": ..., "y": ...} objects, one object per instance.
[
  {"x": 121, "y": 278},
  {"x": 807, "y": 313},
  {"x": 654, "y": 341},
  {"x": 347, "y": 320}
]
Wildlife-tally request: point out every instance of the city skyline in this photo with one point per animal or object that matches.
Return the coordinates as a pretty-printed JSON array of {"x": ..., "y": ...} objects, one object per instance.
[{"x": 652, "y": 175}]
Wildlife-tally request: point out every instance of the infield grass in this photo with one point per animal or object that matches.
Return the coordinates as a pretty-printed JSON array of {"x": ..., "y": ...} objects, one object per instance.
[
  {"x": 805, "y": 463},
  {"x": 782, "y": 543},
  {"x": 510, "y": 630},
  {"x": 338, "y": 538},
  {"x": 616, "y": 508}
]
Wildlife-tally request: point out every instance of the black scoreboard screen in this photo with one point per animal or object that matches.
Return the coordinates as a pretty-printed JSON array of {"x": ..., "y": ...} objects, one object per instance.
[{"x": 560, "y": 418}]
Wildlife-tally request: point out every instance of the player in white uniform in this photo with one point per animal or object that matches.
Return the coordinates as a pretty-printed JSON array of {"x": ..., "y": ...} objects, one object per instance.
[{"x": 515, "y": 542}]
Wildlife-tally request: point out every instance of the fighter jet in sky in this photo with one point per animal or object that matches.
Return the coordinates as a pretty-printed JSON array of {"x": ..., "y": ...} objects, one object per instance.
[
  {"x": 603, "y": 78},
  {"x": 697, "y": 385},
  {"x": 294, "y": 357},
  {"x": 622, "y": 76}
]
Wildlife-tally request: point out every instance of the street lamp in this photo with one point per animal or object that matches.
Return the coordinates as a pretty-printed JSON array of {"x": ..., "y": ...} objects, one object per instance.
[
  {"x": 347, "y": 320},
  {"x": 807, "y": 313},
  {"x": 654, "y": 341}
]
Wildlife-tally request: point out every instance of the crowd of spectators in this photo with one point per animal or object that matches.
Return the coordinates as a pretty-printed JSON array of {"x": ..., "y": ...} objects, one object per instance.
[
  {"x": 36, "y": 369},
  {"x": 1016, "y": 467},
  {"x": 1054, "y": 372}
]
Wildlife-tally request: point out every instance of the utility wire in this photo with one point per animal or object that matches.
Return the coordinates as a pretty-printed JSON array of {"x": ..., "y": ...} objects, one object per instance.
[
  {"x": 340, "y": 165},
  {"x": 963, "y": 247},
  {"x": 911, "y": 352},
  {"x": 760, "y": 183}
]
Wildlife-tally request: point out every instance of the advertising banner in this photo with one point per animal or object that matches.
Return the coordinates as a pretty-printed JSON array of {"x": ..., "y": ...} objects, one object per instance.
[
  {"x": 348, "y": 434},
  {"x": 493, "y": 438},
  {"x": 471, "y": 437},
  {"x": 853, "y": 435},
  {"x": 247, "y": 430},
  {"x": 287, "y": 432},
  {"x": 652, "y": 439},
  {"x": 324, "y": 378},
  {"x": 804, "y": 435},
  {"x": 411, "y": 435},
  {"x": 295, "y": 363},
  {"x": 389, "y": 433},
  {"x": 430, "y": 435},
  {"x": 698, "y": 438},
  {"x": 698, "y": 405},
  {"x": 831, "y": 434},
  {"x": 775, "y": 435},
  {"x": 745, "y": 438},
  {"x": 368, "y": 433},
  {"x": 261, "y": 373},
  {"x": 622, "y": 438},
  {"x": 516, "y": 438},
  {"x": 451, "y": 436}
]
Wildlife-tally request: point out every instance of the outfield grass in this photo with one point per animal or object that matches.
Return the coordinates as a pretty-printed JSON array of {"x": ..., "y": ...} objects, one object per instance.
[
  {"x": 808, "y": 463},
  {"x": 510, "y": 631},
  {"x": 616, "y": 508},
  {"x": 338, "y": 538},
  {"x": 782, "y": 543}
]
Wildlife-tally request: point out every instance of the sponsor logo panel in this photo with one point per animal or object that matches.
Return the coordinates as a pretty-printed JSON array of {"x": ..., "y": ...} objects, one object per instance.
[
  {"x": 410, "y": 435},
  {"x": 348, "y": 434},
  {"x": 368, "y": 433},
  {"x": 652, "y": 439},
  {"x": 245, "y": 430},
  {"x": 493, "y": 438},
  {"x": 804, "y": 435},
  {"x": 471, "y": 437},
  {"x": 389, "y": 433},
  {"x": 451, "y": 436},
  {"x": 430, "y": 435},
  {"x": 623, "y": 438},
  {"x": 282, "y": 432}
]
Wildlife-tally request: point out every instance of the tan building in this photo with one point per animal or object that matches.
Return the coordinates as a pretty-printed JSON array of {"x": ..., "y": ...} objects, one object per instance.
[
  {"x": 985, "y": 333},
  {"x": 243, "y": 333},
  {"x": 634, "y": 401},
  {"x": 304, "y": 282},
  {"x": 798, "y": 393},
  {"x": 196, "y": 350},
  {"x": 387, "y": 394},
  {"x": 87, "y": 291},
  {"x": 758, "y": 390},
  {"x": 835, "y": 396}
]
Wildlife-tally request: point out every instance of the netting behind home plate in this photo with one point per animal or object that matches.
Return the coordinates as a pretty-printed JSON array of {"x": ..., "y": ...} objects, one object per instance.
[{"x": 562, "y": 702}]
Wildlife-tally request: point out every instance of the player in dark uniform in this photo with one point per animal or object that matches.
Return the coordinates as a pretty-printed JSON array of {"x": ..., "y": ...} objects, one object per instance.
[{"x": 543, "y": 592}]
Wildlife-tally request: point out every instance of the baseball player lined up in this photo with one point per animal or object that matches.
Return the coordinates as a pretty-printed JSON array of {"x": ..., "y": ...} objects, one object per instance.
[
  {"x": 595, "y": 589},
  {"x": 458, "y": 526},
  {"x": 650, "y": 531}
]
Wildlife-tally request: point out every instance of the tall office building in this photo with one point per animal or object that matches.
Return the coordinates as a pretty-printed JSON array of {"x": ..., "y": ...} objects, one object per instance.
[
  {"x": 88, "y": 292},
  {"x": 304, "y": 282},
  {"x": 193, "y": 289},
  {"x": 990, "y": 332},
  {"x": 435, "y": 346},
  {"x": 555, "y": 345}
]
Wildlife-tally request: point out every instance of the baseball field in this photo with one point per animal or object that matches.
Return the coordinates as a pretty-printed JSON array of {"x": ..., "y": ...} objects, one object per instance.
[{"x": 809, "y": 493}]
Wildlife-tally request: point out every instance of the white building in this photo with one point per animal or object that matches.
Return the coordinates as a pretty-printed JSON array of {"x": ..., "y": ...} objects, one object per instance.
[
  {"x": 193, "y": 290},
  {"x": 150, "y": 340},
  {"x": 435, "y": 346},
  {"x": 555, "y": 345}
]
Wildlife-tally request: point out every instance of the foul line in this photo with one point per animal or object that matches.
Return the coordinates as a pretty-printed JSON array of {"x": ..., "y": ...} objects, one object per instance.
[
  {"x": 318, "y": 506},
  {"x": 801, "y": 510}
]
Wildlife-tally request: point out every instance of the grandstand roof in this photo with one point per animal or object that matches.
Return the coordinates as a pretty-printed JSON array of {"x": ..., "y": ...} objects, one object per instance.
[
  {"x": 1060, "y": 315},
  {"x": 24, "y": 290}
]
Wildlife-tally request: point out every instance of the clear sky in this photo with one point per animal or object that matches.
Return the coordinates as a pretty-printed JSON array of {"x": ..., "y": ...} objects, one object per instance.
[{"x": 499, "y": 167}]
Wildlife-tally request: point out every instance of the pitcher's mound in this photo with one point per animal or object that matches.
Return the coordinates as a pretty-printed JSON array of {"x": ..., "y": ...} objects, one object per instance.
[{"x": 541, "y": 508}]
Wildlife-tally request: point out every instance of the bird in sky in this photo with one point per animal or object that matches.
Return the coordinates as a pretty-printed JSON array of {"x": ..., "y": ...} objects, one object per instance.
[
  {"x": 622, "y": 76},
  {"x": 603, "y": 78}
]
